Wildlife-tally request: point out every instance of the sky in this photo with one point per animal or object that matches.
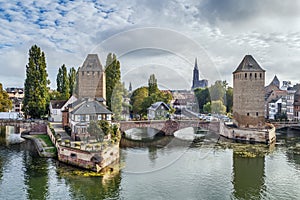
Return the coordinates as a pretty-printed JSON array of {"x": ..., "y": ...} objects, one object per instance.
[{"x": 153, "y": 37}]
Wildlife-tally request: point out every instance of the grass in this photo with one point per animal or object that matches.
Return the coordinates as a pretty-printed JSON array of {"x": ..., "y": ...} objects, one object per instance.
[{"x": 46, "y": 139}]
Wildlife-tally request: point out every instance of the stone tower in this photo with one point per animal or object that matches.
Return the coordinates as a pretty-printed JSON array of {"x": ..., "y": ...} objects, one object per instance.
[
  {"x": 248, "y": 94},
  {"x": 91, "y": 78}
]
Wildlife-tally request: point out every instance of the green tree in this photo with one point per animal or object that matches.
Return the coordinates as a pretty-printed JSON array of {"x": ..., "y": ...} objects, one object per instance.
[
  {"x": 202, "y": 97},
  {"x": 94, "y": 129},
  {"x": 229, "y": 99},
  {"x": 207, "y": 108},
  {"x": 217, "y": 107},
  {"x": 113, "y": 76},
  {"x": 62, "y": 82},
  {"x": 116, "y": 101},
  {"x": 217, "y": 91},
  {"x": 137, "y": 98},
  {"x": 36, "y": 95},
  {"x": 152, "y": 85},
  {"x": 5, "y": 102},
  {"x": 72, "y": 80}
]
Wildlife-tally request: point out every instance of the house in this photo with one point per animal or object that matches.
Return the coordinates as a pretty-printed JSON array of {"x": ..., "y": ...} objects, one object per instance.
[
  {"x": 85, "y": 111},
  {"x": 55, "y": 109},
  {"x": 277, "y": 107},
  {"x": 158, "y": 110},
  {"x": 16, "y": 95}
]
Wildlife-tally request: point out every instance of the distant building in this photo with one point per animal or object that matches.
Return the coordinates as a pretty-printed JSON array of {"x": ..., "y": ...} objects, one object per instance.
[
  {"x": 16, "y": 95},
  {"x": 249, "y": 94},
  {"x": 297, "y": 105},
  {"x": 91, "y": 78},
  {"x": 197, "y": 83},
  {"x": 277, "y": 107},
  {"x": 158, "y": 110}
]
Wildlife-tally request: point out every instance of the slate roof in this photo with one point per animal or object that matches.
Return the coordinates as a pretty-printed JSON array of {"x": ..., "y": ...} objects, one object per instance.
[
  {"x": 91, "y": 63},
  {"x": 156, "y": 105},
  {"x": 91, "y": 107},
  {"x": 57, "y": 104},
  {"x": 249, "y": 64},
  {"x": 275, "y": 81}
]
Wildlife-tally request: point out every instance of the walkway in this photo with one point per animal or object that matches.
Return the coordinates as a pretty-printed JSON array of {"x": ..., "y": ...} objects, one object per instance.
[{"x": 59, "y": 130}]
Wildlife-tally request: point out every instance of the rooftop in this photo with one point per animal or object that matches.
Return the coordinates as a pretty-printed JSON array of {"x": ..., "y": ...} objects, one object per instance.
[{"x": 249, "y": 64}]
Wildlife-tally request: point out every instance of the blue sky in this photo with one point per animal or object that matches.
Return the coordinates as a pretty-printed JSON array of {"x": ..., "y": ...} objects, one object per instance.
[{"x": 161, "y": 37}]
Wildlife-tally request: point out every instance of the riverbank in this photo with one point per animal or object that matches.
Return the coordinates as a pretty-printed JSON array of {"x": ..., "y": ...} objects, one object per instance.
[{"x": 43, "y": 145}]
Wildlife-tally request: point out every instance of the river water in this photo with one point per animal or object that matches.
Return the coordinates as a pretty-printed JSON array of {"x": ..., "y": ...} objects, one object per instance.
[{"x": 160, "y": 168}]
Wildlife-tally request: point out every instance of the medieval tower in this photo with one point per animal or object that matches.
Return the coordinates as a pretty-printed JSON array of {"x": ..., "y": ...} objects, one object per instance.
[
  {"x": 249, "y": 94},
  {"x": 91, "y": 78},
  {"x": 197, "y": 83}
]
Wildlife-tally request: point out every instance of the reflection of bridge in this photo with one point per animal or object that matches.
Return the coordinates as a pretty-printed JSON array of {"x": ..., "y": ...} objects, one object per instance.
[
  {"x": 292, "y": 125},
  {"x": 33, "y": 126},
  {"x": 169, "y": 126}
]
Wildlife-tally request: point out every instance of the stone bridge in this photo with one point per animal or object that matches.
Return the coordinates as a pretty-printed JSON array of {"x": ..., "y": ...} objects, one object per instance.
[
  {"x": 170, "y": 126},
  {"x": 37, "y": 126},
  {"x": 292, "y": 125}
]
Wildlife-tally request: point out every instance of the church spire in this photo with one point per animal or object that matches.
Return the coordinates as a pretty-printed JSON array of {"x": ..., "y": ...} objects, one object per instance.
[{"x": 196, "y": 65}]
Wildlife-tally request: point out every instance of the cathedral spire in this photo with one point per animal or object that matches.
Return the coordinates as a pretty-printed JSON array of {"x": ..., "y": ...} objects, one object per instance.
[{"x": 196, "y": 65}]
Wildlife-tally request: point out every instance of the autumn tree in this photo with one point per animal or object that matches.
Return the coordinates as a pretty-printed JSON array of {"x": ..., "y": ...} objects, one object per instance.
[
  {"x": 5, "y": 102},
  {"x": 36, "y": 96}
]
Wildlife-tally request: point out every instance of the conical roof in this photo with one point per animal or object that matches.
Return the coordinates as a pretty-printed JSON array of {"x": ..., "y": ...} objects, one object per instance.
[
  {"x": 249, "y": 64},
  {"x": 275, "y": 81}
]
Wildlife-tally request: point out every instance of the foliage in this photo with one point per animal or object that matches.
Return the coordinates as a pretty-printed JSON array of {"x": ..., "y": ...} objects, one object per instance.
[
  {"x": 217, "y": 91},
  {"x": 94, "y": 129},
  {"x": 152, "y": 85},
  {"x": 202, "y": 96},
  {"x": 5, "y": 102},
  {"x": 62, "y": 82},
  {"x": 137, "y": 98},
  {"x": 36, "y": 95},
  {"x": 55, "y": 95},
  {"x": 72, "y": 80},
  {"x": 116, "y": 100},
  {"x": 113, "y": 77},
  {"x": 218, "y": 107},
  {"x": 229, "y": 99},
  {"x": 143, "y": 97},
  {"x": 207, "y": 107}
]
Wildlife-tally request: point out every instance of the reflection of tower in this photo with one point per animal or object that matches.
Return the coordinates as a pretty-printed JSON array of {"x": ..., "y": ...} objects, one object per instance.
[
  {"x": 91, "y": 78},
  {"x": 196, "y": 82},
  {"x": 249, "y": 94},
  {"x": 248, "y": 176}
]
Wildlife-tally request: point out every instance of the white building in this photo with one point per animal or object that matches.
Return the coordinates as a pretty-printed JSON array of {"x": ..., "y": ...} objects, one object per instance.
[{"x": 277, "y": 106}]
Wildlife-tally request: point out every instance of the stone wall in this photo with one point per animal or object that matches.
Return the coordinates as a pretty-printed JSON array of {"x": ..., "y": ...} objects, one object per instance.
[{"x": 91, "y": 84}]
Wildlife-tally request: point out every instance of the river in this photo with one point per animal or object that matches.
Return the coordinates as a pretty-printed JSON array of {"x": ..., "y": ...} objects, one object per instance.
[{"x": 164, "y": 168}]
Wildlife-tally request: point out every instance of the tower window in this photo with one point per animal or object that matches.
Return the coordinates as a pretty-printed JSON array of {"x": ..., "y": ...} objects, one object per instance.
[
  {"x": 250, "y": 75},
  {"x": 260, "y": 75},
  {"x": 255, "y": 75},
  {"x": 245, "y": 75},
  {"x": 248, "y": 114},
  {"x": 256, "y": 113}
]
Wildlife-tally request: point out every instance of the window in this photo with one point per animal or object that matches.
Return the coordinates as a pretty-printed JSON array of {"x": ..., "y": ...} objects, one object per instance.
[
  {"x": 248, "y": 114},
  {"x": 260, "y": 75},
  {"x": 245, "y": 75},
  {"x": 82, "y": 118},
  {"x": 73, "y": 155},
  {"x": 100, "y": 117},
  {"x": 250, "y": 75},
  {"x": 256, "y": 113},
  {"x": 108, "y": 117},
  {"x": 255, "y": 75}
]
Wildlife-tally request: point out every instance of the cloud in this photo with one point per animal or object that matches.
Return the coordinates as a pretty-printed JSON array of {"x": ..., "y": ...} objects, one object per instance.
[{"x": 169, "y": 34}]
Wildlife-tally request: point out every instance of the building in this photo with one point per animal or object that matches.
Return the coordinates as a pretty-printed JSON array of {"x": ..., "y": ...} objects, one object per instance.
[
  {"x": 158, "y": 110},
  {"x": 91, "y": 78},
  {"x": 297, "y": 105},
  {"x": 16, "y": 95},
  {"x": 277, "y": 108},
  {"x": 249, "y": 94},
  {"x": 84, "y": 111},
  {"x": 197, "y": 83},
  {"x": 55, "y": 110},
  {"x": 290, "y": 104}
]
